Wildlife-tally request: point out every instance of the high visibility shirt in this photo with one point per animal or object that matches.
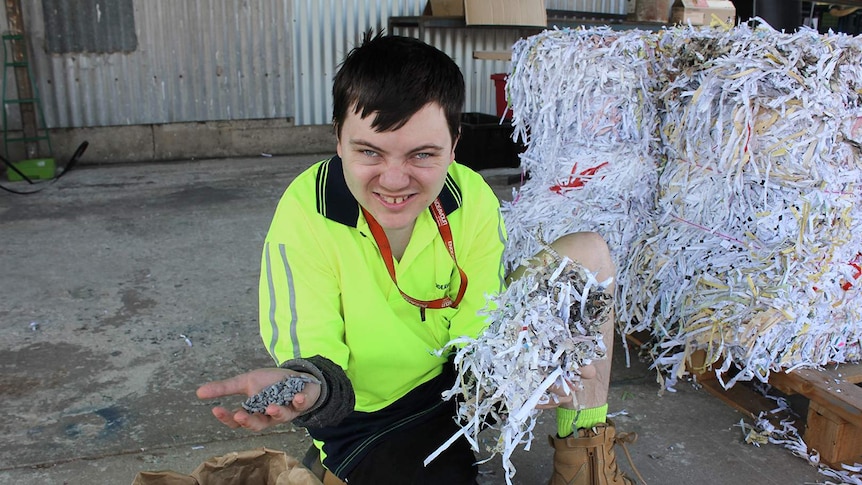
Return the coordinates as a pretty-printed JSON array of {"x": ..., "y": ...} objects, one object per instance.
[{"x": 324, "y": 288}]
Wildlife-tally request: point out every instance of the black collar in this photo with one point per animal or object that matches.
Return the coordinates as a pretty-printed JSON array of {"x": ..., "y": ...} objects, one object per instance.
[{"x": 336, "y": 203}]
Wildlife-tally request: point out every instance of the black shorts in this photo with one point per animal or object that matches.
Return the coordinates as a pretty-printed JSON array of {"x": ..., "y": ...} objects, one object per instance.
[{"x": 399, "y": 459}]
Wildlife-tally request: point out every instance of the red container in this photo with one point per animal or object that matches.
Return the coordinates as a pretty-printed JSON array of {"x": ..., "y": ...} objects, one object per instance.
[{"x": 500, "y": 87}]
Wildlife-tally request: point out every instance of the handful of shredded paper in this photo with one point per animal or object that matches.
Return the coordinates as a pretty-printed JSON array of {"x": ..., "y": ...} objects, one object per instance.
[{"x": 542, "y": 330}]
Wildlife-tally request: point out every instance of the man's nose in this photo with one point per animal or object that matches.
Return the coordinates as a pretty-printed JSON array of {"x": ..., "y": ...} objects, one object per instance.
[{"x": 394, "y": 177}]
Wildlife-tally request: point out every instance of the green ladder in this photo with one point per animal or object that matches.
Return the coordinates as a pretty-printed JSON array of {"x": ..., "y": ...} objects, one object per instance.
[{"x": 32, "y": 117}]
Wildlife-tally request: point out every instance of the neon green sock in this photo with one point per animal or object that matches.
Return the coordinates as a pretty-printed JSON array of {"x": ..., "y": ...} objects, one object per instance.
[
  {"x": 569, "y": 420},
  {"x": 565, "y": 421},
  {"x": 590, "y": 417}
]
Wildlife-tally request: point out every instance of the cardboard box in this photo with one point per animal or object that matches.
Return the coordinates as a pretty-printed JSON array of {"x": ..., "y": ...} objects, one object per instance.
[
  {"x": 701, "y": 12},
  {"x": 653, "y": 10},
  {"x": 34, "y": 169},
  {"x": 444, "y": 8},
  {"x": 506, "y": 12}
]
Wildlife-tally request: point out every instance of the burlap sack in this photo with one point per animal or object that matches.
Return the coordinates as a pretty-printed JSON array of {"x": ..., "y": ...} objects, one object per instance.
[{"x": 260, "y": 466}]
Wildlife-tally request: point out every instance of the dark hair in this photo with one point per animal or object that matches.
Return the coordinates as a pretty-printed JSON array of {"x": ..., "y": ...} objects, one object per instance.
[{"x": 394, "y": 77}]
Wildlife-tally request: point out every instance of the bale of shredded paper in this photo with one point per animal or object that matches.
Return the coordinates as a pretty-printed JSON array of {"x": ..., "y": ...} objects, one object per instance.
[
  {"x": 611, "y": 193},
  {"x": 543, "y": 329},
  {"x": 723, "y": 169},
  {"x": 583, "y": 87},
  {"x": 583, "y": 101},
  {"x": 756, "y": 247}
]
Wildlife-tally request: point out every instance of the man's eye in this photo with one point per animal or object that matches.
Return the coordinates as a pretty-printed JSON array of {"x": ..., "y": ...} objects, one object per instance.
[
  {"x": 423, "y": 156},
  {"x": 369, "y": 153}
]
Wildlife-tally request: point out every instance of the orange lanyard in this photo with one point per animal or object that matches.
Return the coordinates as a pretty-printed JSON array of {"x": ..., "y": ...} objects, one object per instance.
[{"x": 386, "y": 252}]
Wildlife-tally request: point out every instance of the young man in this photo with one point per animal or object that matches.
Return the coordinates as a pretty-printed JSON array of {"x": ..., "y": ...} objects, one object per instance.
[{"x": 378, "y": 257}]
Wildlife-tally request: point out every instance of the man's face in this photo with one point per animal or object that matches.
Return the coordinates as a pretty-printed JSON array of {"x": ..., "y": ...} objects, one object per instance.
[{"x": 395, "y": 175}]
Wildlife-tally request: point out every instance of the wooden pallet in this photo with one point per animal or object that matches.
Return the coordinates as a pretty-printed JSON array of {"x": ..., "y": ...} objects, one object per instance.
[{"x": 833, "y": 425}]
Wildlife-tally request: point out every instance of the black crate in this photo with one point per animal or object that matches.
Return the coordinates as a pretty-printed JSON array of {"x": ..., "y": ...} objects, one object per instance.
[{"x": 486, "y": 142}]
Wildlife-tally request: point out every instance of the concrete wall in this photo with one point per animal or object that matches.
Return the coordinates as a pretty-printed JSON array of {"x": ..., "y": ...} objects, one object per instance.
[{"x": 184, "y": 141}]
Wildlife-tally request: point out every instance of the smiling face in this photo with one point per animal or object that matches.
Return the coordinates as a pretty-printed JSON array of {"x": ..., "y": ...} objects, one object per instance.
[{"x": 395, "y": 175}]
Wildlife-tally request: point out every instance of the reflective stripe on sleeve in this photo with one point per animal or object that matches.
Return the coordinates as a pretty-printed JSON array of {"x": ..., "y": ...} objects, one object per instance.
[{"x": 273, "y": 321}]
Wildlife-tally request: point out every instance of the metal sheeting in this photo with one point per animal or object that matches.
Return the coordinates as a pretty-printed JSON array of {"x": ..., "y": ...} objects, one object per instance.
[
  {"x": 599, "y": 6},
  {"x": 317, "y": 63},
  {"x": 324, "y": 32},
  {"x": 196, "y": 60},
  {"x": 460, "y": 45},
  {"x": 210, "y": 60},
  {"x": 89, "y": 26}
]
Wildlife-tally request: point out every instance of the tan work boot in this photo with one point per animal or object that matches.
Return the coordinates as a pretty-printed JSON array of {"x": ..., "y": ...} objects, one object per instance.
[{"x": 589, "y": 458}]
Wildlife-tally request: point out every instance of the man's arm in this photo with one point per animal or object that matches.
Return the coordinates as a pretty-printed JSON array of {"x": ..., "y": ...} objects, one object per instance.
[{"x": 300, "y": 310}]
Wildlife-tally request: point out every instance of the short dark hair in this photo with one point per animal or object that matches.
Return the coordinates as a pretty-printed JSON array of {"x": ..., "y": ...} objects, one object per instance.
[{"x": 394, "y": 77}]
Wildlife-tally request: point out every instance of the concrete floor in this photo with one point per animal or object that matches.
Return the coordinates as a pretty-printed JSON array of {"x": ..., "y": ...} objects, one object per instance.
[{"x": 126, "y": 286}]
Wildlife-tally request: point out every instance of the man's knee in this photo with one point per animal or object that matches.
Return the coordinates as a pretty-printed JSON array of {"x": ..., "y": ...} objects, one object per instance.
[{"x": 588, "y": 249}]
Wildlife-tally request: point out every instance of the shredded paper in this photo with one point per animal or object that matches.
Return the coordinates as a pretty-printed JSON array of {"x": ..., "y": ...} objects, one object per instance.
[
  {"x": 723, "y": 168},
  {"x": 722, "y": 165},
  {"x": 777, "y": 427},
  {"x": 542, "y": 330},
  {"x": 582, "y": 101}
]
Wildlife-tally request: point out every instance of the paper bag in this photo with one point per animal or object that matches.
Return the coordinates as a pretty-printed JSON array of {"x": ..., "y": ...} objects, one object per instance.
[{"x": 260, "y": 466}]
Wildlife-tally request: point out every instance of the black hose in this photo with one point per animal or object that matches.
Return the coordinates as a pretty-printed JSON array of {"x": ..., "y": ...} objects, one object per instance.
[{"x": 42, "y": 185}]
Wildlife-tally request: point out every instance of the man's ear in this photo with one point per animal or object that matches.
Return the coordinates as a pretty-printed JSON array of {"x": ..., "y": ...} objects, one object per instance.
[
  {"x": 336, "y": 130},
  {"x": 455, "y": 144}
]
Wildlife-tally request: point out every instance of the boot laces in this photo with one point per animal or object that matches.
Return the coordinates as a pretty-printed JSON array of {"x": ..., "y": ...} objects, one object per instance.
[{"x": 622, "y": 439}]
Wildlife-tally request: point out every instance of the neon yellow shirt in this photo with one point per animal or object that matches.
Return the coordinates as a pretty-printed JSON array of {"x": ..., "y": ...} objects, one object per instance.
[{"x": 324, "y": 289}]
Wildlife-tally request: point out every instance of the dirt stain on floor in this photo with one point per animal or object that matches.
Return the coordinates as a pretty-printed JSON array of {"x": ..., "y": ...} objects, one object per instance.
[
  {"x": 64, "y": 400},
  {"x": 134, "y": 304},
  {"x": 44, "y": 365}
]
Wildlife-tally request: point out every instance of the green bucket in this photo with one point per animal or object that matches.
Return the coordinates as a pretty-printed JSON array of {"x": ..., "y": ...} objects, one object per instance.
[{"x": 34, "y": 169}]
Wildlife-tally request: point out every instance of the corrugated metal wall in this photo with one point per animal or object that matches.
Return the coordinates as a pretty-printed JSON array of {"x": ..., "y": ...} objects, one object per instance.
[
  {"x": 600, "y": 6},
  {"x": 324, "y": 31},
  {"x": 196, "y": 60},
  {"x": 209, "y": 60},
  {"x": 327, "y": 29}
]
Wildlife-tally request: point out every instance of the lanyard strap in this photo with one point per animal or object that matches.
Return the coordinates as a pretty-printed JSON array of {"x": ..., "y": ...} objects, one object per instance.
[{"x": 386, "y": 252}]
